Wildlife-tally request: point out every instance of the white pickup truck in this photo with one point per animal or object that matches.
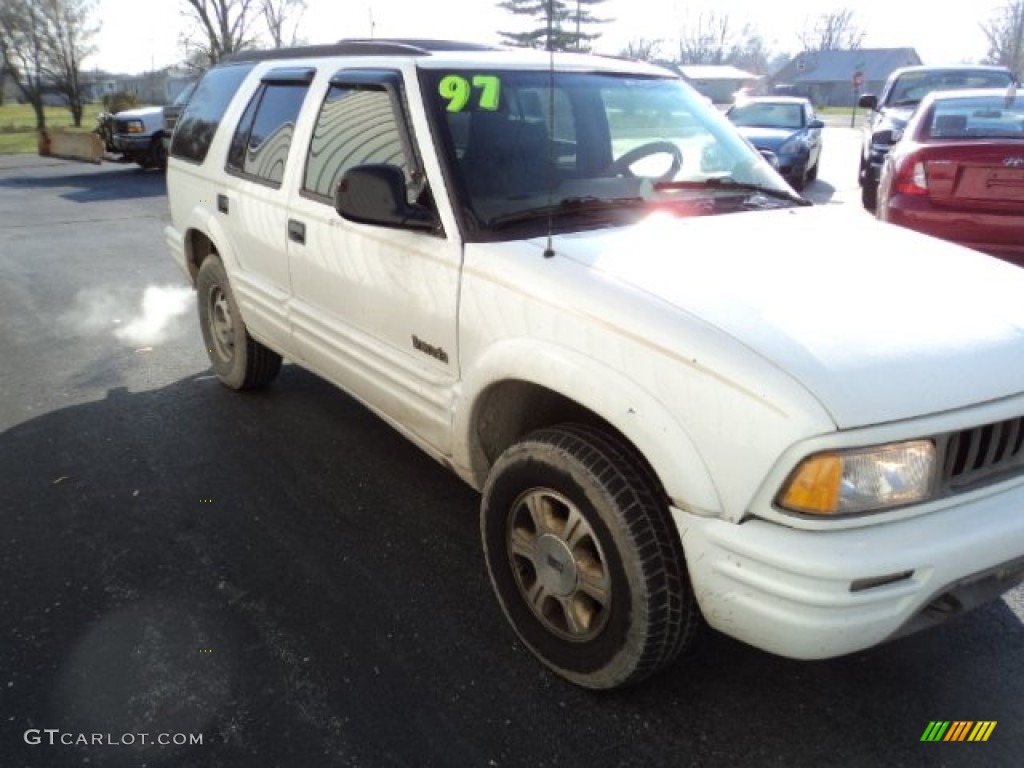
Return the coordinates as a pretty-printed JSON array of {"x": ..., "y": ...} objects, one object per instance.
[
  {"x": 138, "y": 134},
  {"x": 683, "y": 391}
]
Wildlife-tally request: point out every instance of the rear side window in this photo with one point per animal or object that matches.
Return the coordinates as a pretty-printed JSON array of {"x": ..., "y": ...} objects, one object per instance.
[
  {"x": 356, "y": 126},
  {"x": 198, "y": 123},
  {"x": 259, "y": 148}
]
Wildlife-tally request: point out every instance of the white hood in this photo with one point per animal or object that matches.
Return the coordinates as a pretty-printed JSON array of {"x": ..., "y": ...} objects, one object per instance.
[
  {"x": 878, "y": 322},
  {"x": 139, "y": 113}
]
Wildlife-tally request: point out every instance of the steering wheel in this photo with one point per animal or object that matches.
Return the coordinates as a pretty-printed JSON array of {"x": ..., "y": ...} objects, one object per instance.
[{"x": 621, "y": 167}]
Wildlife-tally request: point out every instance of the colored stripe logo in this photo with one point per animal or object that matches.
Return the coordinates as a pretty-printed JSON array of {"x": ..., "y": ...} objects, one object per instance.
[{"x": 959, "y": 730}]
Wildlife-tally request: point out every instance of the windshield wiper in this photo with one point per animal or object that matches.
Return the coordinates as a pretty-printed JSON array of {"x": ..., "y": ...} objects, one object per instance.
[
  {"x": 567, "y": 206},
  {"x": 729, "y": 183}
]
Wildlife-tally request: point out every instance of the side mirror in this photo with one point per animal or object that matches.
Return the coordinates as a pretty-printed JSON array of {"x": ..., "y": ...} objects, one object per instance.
[
  {"x": 816, "y": 125},
  {"x": 771, "y": 157},
  {"x": 867, "y": 101},
  {"x": 375, "y": 194}
]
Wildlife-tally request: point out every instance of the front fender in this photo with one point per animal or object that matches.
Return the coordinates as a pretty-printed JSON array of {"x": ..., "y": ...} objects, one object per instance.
[{"x": 606, "y": 392}]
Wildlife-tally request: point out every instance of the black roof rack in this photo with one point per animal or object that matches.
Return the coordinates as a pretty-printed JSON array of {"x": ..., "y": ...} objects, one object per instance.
[{"x": 361, "y": 47}]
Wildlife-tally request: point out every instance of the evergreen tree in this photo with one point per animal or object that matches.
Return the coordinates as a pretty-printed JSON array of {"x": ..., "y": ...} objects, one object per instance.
[{"x": 568, "y": 24}]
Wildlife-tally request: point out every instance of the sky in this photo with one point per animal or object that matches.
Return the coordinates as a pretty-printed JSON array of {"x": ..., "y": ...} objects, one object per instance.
[{"x": 941, "y": 33}]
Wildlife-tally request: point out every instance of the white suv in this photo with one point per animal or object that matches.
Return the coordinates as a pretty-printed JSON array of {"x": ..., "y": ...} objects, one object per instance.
[{"x": 682, "y": 391}]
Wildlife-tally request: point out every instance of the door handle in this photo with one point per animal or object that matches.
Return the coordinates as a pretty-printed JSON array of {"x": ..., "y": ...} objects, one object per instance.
[{"x": 296, "y": 231}]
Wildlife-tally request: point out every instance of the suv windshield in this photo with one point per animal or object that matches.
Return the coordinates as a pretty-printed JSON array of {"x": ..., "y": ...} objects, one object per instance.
[
  {"x": 910, "y": 87},
  {"x": 585, "y": 145},
  {"x": 182, "y": 98}
]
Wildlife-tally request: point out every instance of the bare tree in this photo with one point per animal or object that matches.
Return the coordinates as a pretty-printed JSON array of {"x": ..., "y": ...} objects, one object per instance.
[
  {"x": 224, "y": 26},
  {"x": 750, "y": 52},
  {"x": 1005, "y": 34},
  {"x": 832, "y": 31},
  {"x": 642, "y": 49},
  {"x": 707, "y": 40},
  {"x": 69, "y": 33},
  {"x": 278, "y": 16},
  {"x": 23, "y": 51}
]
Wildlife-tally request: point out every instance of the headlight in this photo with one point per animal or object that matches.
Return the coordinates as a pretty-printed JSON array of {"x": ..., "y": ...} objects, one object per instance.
[
  {"x": 886, "y": 134},
  {"x": 135, "y": 126},
  {"x": 861, "y": 480},
  {"x": 791, "y": 146}
]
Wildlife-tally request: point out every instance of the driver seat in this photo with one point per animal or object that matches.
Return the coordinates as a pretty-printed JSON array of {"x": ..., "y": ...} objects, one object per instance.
[{"x": 506, "y": 157}]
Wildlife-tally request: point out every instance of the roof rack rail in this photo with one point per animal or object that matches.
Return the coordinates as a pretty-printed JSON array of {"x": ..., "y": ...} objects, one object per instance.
[{"x": 361, "y": 47}]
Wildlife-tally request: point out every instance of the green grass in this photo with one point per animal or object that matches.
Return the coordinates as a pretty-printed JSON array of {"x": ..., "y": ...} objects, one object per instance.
[{"x": 18, "y": 125}]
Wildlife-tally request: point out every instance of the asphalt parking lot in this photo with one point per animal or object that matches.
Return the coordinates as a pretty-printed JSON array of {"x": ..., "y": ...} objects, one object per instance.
[{"x": 287, "y": 579}]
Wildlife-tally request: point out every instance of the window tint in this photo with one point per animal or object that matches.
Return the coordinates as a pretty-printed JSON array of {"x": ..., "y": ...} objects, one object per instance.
[
  {"x": 264, "y": 135},
  {"x": 198, "y": 124},
  {"x": 355, "y": 127},
  {"x": 236, "y": 152}
]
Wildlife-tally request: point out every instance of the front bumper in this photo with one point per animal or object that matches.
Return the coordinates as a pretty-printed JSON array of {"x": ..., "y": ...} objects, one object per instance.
[
  {"x": 131, "y": 144},
  {"x": 818, "y": 594}
]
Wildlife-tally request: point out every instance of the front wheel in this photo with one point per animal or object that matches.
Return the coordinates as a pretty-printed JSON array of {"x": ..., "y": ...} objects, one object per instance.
[
  {"x": 239, "y": 361},
  {"x": 584, "y": 557},
  {"x": 869, "y": 195},
  {"x": 155, "y": 155}
]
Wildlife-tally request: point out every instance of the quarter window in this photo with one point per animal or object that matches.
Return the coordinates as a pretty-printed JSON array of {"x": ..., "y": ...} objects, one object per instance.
[
  {"x": 356, "y": 126},
  {"x": 198, "y": 123},
  {"x": 263, "y": 138}
]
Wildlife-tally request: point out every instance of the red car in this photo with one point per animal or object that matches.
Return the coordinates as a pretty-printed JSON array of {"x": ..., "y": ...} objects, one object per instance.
[{"x": 958, "y": 171}]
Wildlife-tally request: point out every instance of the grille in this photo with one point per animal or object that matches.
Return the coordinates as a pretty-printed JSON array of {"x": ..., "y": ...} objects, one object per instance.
[
  {"x": 121, "y": 126},
  {"x": 980, "y": 453}
]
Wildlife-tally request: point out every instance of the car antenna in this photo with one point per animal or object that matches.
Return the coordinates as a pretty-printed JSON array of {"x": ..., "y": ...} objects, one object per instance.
[{"x": 549, "y": 249}]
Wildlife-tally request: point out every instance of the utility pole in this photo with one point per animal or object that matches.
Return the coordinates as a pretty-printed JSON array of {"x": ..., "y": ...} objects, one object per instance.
[{"x": 577, "y": 25}]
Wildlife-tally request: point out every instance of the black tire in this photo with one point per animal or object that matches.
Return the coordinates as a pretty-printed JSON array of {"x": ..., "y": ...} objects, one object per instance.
[
  {"x": 158, "y": 153},
  {"x": 155, "y": 157},
  {"x": 869, "y": 195},
  {"x": 584, "y": 557},
  {"x": 239, "y": 361}
]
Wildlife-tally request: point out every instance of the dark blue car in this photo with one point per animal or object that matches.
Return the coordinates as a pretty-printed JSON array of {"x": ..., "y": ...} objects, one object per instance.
[{"x": 786, "y": 126}]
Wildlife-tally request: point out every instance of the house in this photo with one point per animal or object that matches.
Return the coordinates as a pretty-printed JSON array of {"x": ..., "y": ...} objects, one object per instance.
[
  {"x": 827, "y": 77},
  {"x": 97, "y": 85},
  {"x": 719, "y": 82},
  {"x": 156, "y": 87}
]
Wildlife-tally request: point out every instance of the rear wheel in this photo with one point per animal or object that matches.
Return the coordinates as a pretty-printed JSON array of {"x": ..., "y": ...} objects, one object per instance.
[
  {"x": 584, "y": 557},
  {"x": 239, "y": 361}
]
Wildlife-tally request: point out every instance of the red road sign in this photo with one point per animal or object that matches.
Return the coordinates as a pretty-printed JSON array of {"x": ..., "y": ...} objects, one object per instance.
[{"x": 858, "y": 79}]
